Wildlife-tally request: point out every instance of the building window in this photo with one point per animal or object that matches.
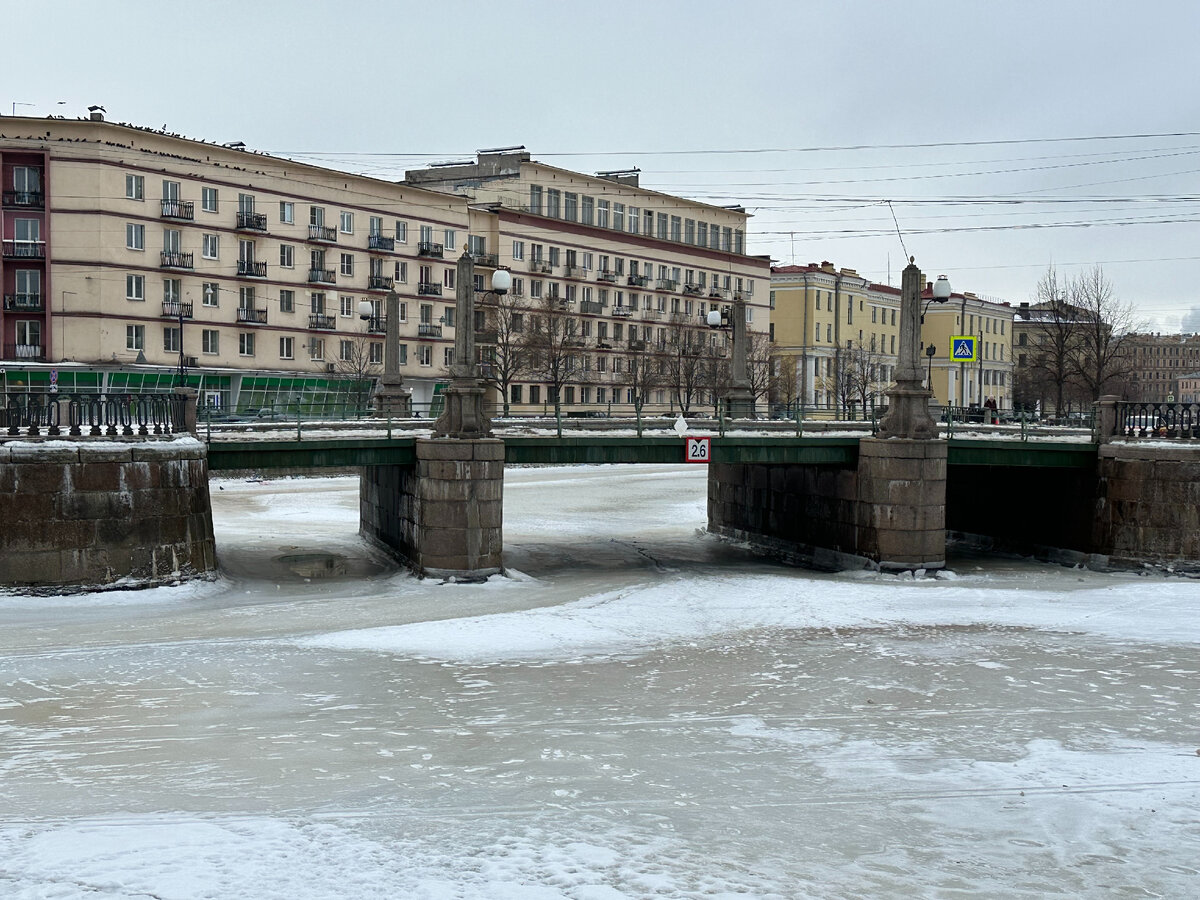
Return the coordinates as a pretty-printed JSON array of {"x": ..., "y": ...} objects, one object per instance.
[
  {"x": 553, "y": 204},
  {"x": 401, "y": 272},
  {"x": 135, "y": 287},
  {"x": 287, "y": 348},
  {"x": 449, "y": 242},
  {"x": 210, "y": 294},
  {"x": 208, "y": 199},
  {"x": 135, "y": 187},
  {"x": 347, "y": 223},
  {"x": 172, "y": 289},
  {"x": 210, "y": 341},
  {"x": 135, "y": 337},
  {"x": 447, "y": 356},
  {"x": 348, "y": 264},
  {"x": 401, "y": 231},
  {"x": 346, "y": 305},
  {"x": 587, "y": 210},
  {"x": 402, "y": 356},
  {"x": 210, "y": 246},
  {"x": 662, "y": 225},
  {"x": 602, "y": 214},
  {"x": 375, "y": 353},
  {"x": 515, "y": 390},
  {"x": 425, "y": 355},
  {"x": 135, "y": 236},
  {"x": 346, "y": 351},
  {"x": 287, "y": 301},
  {"x": 246, "y": 344},
  {"x": 287, "y": 256},
  {"x": 535, "y": 199},
  {"x": 287, "y": 215},
  {"x": 618, "y": 216},
  {"x": 519, "y": 248},
  {"x": 570, "y": 206},
  {"x": 535, "y": 393},
  {"x": 676, "y": 229},
  {"x": 171, "y": 339}
]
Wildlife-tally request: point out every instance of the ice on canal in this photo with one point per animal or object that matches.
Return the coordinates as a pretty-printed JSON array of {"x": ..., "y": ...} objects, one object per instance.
[{"x": 639, "y": 710}]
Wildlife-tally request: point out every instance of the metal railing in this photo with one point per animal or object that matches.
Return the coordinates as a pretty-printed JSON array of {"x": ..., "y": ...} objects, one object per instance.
[
  {"x": 252, "y": 221},
  {"x": 25, "y": 199},
  {"x": 377, "y": 325},
  {"x": 322, "y": 322},
  {"x": 425, "y": 330},
  {"x": 322, "y": 233},
  {"x": 254, "y": 316},
  {"x": 35, "y": 352},
  {"x": 380, "y": 282},
  {"x": 178, "y": 209},
  {"x": 606, "y": 275},
  {"x": 429, "y": 248},
  {"x": 175, "y": 308},
  {"x": 24, "y": 249},
  {"x": 126, "y": 415},
  {"x": 321, "y": 276},
  {"x": 1178, "y": 421},
  {"x": 591, "y": 306},
  {"x": 666, "y": 284},
  {"x": 638, "y": 280},
  {"x": 488, "y": 260},
  {"x": 174, "y": 259},
  {"x": 248, "y": 268},
  {"x": 23, "y": 302},
  {"x": 429, "y": 289},
  {"x": 380, "y": 242}
]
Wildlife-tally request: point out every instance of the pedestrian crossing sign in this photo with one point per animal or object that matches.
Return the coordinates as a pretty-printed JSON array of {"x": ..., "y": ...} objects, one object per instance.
[{"x": 963, "y": 348}]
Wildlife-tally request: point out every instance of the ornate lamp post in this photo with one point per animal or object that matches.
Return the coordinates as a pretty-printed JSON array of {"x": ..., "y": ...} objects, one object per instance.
[
  {"x": 464, "y": 415},
  {"x": 908, "y": 401},
  {"x": 739, "y": 399}
]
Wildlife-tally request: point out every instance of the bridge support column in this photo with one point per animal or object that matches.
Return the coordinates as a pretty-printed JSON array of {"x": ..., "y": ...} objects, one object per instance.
[
  {"x": 902, "y": 503},
  {"x": 443, "y": 515}
]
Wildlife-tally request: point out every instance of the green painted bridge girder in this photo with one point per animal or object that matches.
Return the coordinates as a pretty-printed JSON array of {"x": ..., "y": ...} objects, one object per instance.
[{"x": 549, "y": 450}]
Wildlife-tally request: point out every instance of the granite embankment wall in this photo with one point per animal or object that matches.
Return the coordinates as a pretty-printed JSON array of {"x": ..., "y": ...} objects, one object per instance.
[
  {"x": 91, "y": 513},
  {"x": 1148, "y": 504}
]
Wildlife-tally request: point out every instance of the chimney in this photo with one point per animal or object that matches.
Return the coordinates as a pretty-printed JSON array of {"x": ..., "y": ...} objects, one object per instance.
[{"x": 96, "y": 113}]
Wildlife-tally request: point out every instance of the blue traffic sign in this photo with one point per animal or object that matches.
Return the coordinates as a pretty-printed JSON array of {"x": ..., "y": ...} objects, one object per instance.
[{"x": 963, "y": 348}]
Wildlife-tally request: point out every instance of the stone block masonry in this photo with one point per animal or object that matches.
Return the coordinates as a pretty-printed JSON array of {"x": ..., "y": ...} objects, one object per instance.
[
  {"x": 444, "y": 514},
  {"x": 1148, "y": 504},
  {"x": 84, "y": 514}
]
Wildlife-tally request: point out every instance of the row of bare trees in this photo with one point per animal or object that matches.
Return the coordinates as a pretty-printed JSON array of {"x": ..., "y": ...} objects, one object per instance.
[{"x": 1077, "y": 342}]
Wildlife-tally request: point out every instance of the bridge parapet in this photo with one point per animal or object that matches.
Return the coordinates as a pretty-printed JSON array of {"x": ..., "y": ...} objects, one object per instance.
[{"x": 125, "y": 415}]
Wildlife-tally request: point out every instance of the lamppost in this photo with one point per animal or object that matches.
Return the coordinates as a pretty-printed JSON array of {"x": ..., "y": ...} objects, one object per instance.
[
  {"x": 392, "y": 397},
  {"x": 908, "y": 401},
  {"x": 464, "y": 415},
  {"x": 739, "y": 399},
  {"x": 931, "y": 352},
  {"x": 181, "y": 376}
]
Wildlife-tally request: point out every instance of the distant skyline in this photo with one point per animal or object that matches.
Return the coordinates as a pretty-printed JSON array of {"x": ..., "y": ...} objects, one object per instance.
[{"x": 1007, "y": 137}]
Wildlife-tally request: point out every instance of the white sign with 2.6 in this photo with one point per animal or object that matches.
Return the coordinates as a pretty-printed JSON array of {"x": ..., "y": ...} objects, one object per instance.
[{"x": 697, "y": 449}]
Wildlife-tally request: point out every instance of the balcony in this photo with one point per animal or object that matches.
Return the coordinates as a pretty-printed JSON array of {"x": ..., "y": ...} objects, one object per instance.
[
  {"x": 591, "y": 306},
  {"x": 718, "y": 293},
  {"x": 575, "y": 272},
  {"x": 488, "y": 260},
  {"x": 638, "y": 280},
  {"x": 622, "y": 312},
  {"x": 377, "y": 325},
  {"x": 637, "y": 345},
  {"x": 24, "y": 200},
  {"x": 666, "y": 284},
  {"x": 253, "y": 316},
  {"x": 24, "y": 249},
  {"x": 429, "y": 289},
  {"x": 173, "y": 259},
  {"x": 430, "y": 249},
  {"x": 540, "y": 265},
  {"x": 33, "y": 352},
  {"x": 251, "y": 221},
  {"x": 29, "y": 303},
  {"x": 693, "y": 289},
  {"x": 175, "y": 309},
  {"x": 184, "y": 210},
  {"x": 655, "y": 315},
  {"x": 380, "y": 282},
  {"x": 322, "y": 322},
  {"x": 321, "y": 276},
  {"x": 485, "y": 337},
  {"x": 322, "y": 235},
  {"x": 429, "y": 330},
  {"x": 248, "y": 268},
  {"x": 606, "y": 275},
  {"x": 380, "y": 242}
]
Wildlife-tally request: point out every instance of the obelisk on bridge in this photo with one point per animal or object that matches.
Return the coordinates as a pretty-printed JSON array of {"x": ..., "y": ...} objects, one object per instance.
[{"x": 908, "y": 399}]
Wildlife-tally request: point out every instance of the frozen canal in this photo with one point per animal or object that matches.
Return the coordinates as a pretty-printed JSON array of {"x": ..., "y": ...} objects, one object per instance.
[{"x": 639, "y": 711}]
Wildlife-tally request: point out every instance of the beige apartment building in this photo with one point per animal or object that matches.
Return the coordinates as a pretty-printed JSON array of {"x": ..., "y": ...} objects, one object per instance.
[
  {"x": 127, "y": 252},
  {"x": 835, "y": 332}
]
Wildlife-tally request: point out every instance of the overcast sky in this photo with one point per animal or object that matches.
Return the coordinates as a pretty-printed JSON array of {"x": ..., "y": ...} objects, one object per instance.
[{"x": 805, "y": 112}]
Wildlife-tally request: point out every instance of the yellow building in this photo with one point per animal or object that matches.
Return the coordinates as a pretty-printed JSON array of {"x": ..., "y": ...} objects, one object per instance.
[{"x": 835, "y": 335}]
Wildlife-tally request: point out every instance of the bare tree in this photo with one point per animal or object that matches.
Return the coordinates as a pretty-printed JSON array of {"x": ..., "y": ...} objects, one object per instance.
[
  {"x": 860, "y": 372},
  {"x": 786, "y": 391},
  {"x": 1101, "y": 355},
  {"x": 553, "y": 347},
  {"x": 357, "y": 364},
  {"x": 501, "y": 322},
  {"x": 1053, "y": 335},
  {"x": 685, "y": 364},
  {"x": 758, "y": 366}
]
